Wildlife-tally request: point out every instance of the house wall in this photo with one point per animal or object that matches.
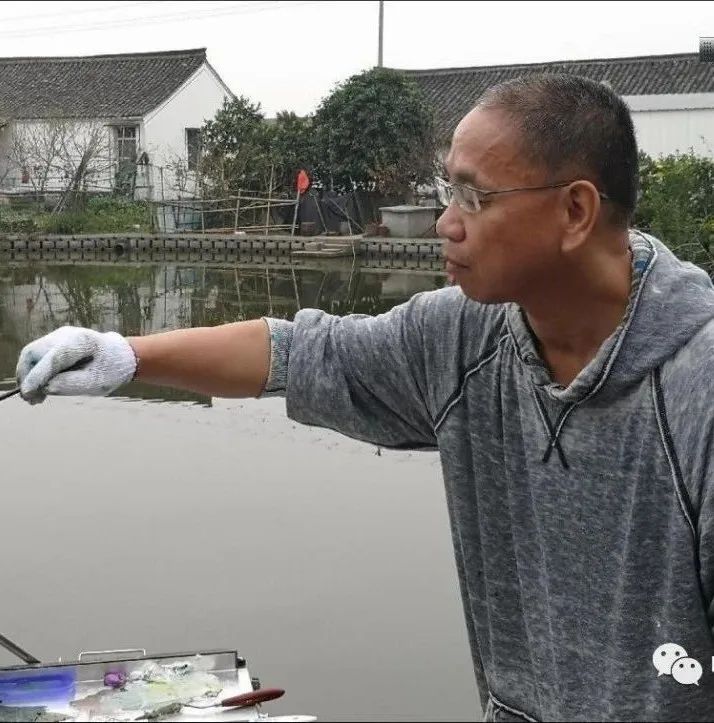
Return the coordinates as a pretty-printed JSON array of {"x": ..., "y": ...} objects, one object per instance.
[
  {"x": 661, "y": 132},
  {"x": 674, "y": 122},
  {"x": 164, "y": 130}
]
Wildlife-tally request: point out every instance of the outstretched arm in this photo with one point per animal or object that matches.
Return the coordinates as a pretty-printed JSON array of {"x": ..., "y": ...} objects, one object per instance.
[{"x": 232, "y": 360}]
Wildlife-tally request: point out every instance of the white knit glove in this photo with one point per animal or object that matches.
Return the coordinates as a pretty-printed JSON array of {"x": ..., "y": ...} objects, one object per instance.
[{"x": 102, "y": 362}]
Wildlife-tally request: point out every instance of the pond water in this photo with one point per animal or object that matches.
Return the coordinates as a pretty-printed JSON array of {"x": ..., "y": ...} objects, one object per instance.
[{"x": 168, "y": 521}]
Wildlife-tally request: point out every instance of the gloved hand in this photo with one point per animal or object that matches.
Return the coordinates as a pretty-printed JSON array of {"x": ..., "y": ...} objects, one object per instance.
[{"x": 109, "y": 362}]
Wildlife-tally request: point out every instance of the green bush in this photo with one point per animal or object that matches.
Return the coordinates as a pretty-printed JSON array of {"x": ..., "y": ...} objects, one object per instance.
[
  {"x": 102, "y": 215},
  {"x": 63, "y": 223},
  {"x": 677, "y": 205},
  {"x": 16, "y": 222},
  {"x": 116, "y": 215}
]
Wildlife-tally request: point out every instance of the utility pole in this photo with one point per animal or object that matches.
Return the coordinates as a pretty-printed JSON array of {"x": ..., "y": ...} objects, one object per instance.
[{"x": 381, "y": 34}]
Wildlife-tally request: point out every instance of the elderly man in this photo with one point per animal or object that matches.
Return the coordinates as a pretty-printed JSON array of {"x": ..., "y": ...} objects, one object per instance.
[{"x": 564, "y": 377}]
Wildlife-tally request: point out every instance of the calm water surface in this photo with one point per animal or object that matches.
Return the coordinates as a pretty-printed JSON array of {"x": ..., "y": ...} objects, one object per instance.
[{"x": 169, "y": 521}]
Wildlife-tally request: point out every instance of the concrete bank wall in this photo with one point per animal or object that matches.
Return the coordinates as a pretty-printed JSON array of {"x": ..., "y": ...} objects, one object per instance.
[
  {"x": 121, "y": 248},
  {"x": 127, "y": 243}
]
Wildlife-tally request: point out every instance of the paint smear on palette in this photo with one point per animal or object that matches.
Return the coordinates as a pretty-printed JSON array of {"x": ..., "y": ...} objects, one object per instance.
[
  {"x": 41, "y": 687},
  {"x": 150, "y": 690}
]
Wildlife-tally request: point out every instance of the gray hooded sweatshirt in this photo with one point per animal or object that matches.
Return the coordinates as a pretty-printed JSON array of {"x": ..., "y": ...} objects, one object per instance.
[{"x": 582, "y": 517}]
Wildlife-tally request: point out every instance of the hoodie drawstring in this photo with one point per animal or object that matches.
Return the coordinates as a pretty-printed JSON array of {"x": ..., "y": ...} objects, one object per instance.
[{"x": 554, "y": 442}]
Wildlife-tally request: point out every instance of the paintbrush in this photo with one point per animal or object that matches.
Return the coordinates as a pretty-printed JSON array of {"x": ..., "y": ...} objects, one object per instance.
[
  {"x": 255, "y": 697},
  {"x": 15, "y": 649}
]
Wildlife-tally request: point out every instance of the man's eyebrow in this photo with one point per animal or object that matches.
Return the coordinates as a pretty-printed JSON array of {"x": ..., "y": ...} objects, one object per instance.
[{"x": 463, "y": 176}]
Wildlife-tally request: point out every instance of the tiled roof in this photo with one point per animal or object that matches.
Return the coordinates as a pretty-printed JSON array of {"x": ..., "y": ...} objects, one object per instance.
[
  {"x": 454, "y": 91},
  {"x": 98, "y": 86}
]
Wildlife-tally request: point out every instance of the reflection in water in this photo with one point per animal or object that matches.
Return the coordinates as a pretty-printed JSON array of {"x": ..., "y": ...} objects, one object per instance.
[{"x": 142, "y": 299}]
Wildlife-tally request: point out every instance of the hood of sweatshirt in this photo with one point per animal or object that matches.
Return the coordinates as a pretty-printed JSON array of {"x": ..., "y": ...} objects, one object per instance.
[{"x": 670, "y": 300}]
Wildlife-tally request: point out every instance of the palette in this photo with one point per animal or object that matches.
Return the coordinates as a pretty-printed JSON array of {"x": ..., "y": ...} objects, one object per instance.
[{"x": 70, "y": 688}]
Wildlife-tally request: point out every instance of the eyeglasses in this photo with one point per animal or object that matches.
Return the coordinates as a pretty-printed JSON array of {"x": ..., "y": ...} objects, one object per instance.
[{"x": 469, "y": 199}]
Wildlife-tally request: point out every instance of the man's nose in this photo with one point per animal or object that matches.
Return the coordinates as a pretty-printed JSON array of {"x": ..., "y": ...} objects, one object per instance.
[{"x": 450, "y": 226}]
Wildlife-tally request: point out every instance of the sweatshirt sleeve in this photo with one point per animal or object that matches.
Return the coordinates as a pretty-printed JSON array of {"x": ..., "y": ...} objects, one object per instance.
[{"x": 363, "y": 376}]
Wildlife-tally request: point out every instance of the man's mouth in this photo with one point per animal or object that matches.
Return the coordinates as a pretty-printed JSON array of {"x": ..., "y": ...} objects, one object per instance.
[
  {"x": 452, "y": 270},
  {"x": 452, "y": 266}
]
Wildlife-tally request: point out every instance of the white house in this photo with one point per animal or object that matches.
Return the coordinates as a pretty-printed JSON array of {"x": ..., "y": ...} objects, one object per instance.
[
  {"x": 134, "y": 119},
  {"x": 671, "y": 97}
]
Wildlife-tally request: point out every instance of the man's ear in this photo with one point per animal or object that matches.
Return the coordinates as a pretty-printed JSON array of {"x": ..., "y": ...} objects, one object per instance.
[{"x": 581, "y": 210}]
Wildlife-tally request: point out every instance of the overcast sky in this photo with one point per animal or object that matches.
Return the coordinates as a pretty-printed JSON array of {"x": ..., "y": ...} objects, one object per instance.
[{"x": 288, "y": 55}]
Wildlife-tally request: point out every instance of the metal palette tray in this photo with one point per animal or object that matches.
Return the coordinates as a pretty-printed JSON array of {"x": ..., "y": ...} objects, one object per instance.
[{"x": 85, "y": 676}]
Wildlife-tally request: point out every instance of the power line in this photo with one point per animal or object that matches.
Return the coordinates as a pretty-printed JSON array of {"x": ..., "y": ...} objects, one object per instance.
[
  {"x": 83, "y": 11},
  {"x": 135, "y": 20},
  {"x": 242, "y": 9}
]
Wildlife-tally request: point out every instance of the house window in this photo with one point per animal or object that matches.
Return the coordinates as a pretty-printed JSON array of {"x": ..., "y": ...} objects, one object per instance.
[
  {"x": 193, "y": 147},
  {"x": 126, "y": 143}
]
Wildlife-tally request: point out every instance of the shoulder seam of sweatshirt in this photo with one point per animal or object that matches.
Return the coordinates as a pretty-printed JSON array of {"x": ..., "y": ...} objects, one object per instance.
[{"x": 459, "y": 391}]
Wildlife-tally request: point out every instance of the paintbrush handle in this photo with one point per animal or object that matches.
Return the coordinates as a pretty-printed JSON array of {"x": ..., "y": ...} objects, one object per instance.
[
  {"x": 11, "y": 393},
  {"x": 17, "y": 650},
  {"x": 253, "y": 698}
]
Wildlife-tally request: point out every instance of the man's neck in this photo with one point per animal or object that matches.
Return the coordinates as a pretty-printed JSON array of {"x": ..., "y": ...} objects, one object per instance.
[{"x": 571, "y": 327}]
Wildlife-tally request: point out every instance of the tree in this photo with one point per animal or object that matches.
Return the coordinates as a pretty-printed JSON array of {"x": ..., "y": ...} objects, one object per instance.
[
  {"x": 291, "y": 148},
  {"x": 179, "y": 175},
  {"x": 84, "y": 158},
  {"x": 53, "y": 152},
  {"x": 375, "y": 132},
  {"x": 235, "y": 149},
  {"x": 59, "y": 154},
  {"x": 36, "y": 151}
]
